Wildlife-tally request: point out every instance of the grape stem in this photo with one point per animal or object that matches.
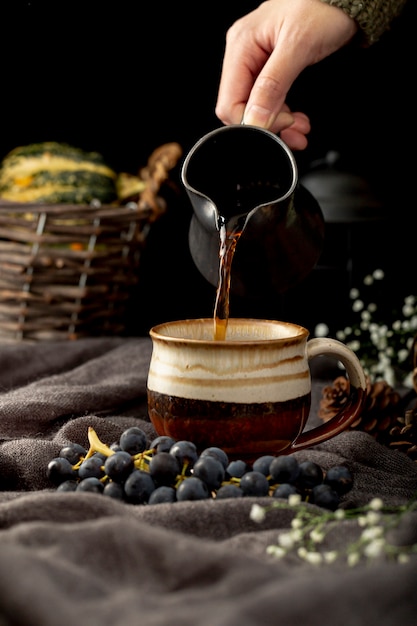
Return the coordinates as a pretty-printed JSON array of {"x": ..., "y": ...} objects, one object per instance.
[{"x": 96, "y": 445}]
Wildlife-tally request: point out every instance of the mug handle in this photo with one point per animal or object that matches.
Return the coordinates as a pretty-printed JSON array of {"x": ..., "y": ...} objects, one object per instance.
[{"x": 325, "y": 346}]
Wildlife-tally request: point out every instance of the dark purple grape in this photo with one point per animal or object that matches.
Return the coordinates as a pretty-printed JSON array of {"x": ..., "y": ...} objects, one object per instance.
[
  {"x": 164, "y": 468},
  {"x": 284, "y": 490},
  {"x": 118, "y": 466},
  {"x": 163, "y": 494},
  {"x": 67, "y": 485},
  {"x": 192, "y": 488},
  {"x": 262, "y": 463},
  {"x": 229, "y": 491},
  {"x": 138, "y": 487},
  {"x": 339, "y": 478},
  {"x": 174, "y": 471},
  {"x": 236, "y": 469},
  {"x": 93, "y": 466},
  {"x": 217, "y": 453},
  {"x": 310, "y": 474},
  {"x": 100, "y": 455},
  {"x": 254, "y": 484},
  {"x": 326, "y": 497},
  {"x": 59, "y": 470},
  {"x": 73, "y": 452},
  {"x": 114, "y": 490},
  {"x": 210, "y": 470},
  {"x": 90, "y": 484},
  {"x": 284, "y": 469},
  {"x": 185, "y": 452},
  {"x": 163, "y": 443},
  {"x": 133, "y": 440}
]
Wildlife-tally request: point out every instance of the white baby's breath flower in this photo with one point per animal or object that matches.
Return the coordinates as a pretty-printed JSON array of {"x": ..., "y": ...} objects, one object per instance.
[
  {"x": 316, "y": 535},
  {"x": 302, "y": 551},
  {"x": 378, "y": 274},
  {"x": 402, "y": 355},
  {"x": 330, "y": 556},
  {"x": 372, "y": 532},
  {"x": 257, "y": 513},
  {"x": 354, "y": 345},
  {"x": 321, "y": 330},
  {"x": 353, "y": 558},
  {"x": 308, "y": 530},
  {"x": 408, "y": 381},
  {"x": 276, "y": 551},
  {"x": 294, "y": 499},
  {"x": 368, "y": 280},
  {"x": 296, "y": 522},
  {"x": 286, "y": 540},
  {"x": 357, "y": 306},
  {"x": 315, "y": 558},
  {"x": 375, "y": 548},
  {"x": 354, "y": 293},
  {"x": 382, "y": 343},
  {"x": 389, "y": 376},
  {"x": 341, "y": 335},
  {"x": 408, "y": 310},
  {"x": 372, "y": 307},
  {"x": 296, "y": 535},
  {"x": 376, "y": 504}
]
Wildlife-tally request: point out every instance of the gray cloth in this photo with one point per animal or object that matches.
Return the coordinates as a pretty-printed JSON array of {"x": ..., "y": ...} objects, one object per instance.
[{"x": 86, "y": 558}]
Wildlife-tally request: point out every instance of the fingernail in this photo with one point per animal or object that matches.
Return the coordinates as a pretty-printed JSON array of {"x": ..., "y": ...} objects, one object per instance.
[{"x": 257, "y": 116}]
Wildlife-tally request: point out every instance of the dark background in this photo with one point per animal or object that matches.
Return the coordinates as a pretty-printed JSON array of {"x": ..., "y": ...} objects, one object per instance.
[{"x": 122, "y": 78}]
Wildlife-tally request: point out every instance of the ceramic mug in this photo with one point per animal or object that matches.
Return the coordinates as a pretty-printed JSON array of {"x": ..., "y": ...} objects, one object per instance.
[{"x": 249, "y": 394}]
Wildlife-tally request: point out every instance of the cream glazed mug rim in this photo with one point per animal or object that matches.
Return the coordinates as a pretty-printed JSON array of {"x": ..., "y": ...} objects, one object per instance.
[{"x": 296, "y": 332}]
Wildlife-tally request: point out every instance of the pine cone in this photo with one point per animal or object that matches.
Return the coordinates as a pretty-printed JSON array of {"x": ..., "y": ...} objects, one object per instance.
[
  {"x": 383, "y": 416},
  {"x": 403, "y": 434},
  {"x": 380, "y": 404}
]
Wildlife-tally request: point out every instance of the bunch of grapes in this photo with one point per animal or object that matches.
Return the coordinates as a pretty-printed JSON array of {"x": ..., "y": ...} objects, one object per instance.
[{"x": 164, "y": 470}]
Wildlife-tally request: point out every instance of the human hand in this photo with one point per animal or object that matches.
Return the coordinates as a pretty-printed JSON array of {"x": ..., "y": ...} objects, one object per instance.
[{"x": 265, "y": 52}]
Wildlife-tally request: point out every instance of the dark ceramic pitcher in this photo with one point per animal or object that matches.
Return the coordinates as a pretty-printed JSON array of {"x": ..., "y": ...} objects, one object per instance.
[{"x": 245, "y": 173}]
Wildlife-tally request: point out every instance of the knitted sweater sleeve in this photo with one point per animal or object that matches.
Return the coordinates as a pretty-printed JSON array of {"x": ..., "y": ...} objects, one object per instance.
[{"x": 373, "y": 17}]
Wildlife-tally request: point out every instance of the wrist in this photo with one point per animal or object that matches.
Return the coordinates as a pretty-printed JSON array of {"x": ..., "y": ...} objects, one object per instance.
[{"x": 373, "y": 17}]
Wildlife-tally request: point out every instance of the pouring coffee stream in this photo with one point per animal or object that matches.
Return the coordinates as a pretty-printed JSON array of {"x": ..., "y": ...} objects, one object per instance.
[
  {"x": 249, "y": 208},
  {"x": 229, "y": 236}
]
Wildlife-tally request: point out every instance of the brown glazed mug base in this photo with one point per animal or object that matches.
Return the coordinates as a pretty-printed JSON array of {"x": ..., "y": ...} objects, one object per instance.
[{"x": 243, "y": 431}]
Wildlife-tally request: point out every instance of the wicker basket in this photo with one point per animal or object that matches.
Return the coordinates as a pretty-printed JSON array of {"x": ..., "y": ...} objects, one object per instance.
[{"x": 68, "y": 271}]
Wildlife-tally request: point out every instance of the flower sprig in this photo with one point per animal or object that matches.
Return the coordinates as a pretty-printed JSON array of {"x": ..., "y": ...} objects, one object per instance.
[
  {"x": 382, "y": 332},
  {"x": 309, "y": 529}
]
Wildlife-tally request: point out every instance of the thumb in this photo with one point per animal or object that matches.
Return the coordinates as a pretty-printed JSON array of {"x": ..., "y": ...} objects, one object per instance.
[{"x": 269, "y": 92}]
